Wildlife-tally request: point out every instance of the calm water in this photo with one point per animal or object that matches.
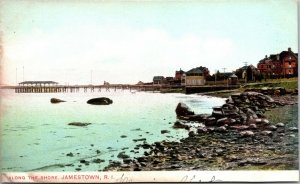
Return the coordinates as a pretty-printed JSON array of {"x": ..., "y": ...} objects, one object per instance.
[{"x": 35, "y": 134}]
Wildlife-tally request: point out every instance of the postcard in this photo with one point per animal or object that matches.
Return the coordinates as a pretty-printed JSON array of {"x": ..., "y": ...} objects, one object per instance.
[{"x": 100, "y": 91}]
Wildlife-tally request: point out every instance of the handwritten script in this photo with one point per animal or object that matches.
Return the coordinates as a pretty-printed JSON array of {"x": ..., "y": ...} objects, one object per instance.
[
  {"x": 195, "y": 178},
  {"x": 186, "y": 178}
]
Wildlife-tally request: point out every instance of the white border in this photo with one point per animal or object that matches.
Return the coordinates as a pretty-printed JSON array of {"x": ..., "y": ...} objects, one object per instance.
[{"x": 151, "y": 176}]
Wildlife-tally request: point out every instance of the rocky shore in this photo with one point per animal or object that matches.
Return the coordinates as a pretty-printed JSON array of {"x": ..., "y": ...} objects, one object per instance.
[{"x": 236, "y": 136}]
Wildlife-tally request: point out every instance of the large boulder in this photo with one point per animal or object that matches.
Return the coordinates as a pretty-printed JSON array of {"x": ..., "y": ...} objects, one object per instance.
[
  {"x": 100, "y": 101},
  {"x": 56, "y": 100},
  {"x": 183, "y": 110}
]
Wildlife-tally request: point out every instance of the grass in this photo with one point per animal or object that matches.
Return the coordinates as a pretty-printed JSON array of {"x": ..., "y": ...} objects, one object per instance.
[{"x": 291, "y": 84}]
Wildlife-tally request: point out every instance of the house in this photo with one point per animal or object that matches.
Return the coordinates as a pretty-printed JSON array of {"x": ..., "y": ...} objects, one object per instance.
[
  {"x": 266, "y": 67},
  {"x": 225, "y": 75},
  {"x": 284, "y": 64},
  {"x": 183, "y": 79},
  {"x": 205, "y": 71},
  {"x": 248, "y": 73},
  {"x": 252, "y": 73},
  {"x": 158, "y": 79},
  {"x": 169, "y": 80},
  {"x": 289, "y": 63},
  {"x": 178, "y": 75},
  {"x": 196, "y": 76},
  {"x": 233, "y": 79}
]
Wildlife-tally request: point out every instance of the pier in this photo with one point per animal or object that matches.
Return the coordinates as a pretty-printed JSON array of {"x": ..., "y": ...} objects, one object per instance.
[{"x": 53, "y": 87}]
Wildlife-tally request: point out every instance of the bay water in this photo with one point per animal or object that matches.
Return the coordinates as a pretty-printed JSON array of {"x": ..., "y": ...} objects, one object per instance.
[{"x": 35, "y": 135}]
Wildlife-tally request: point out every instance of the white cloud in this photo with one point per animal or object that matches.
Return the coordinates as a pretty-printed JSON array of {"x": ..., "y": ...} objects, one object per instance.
[{"x": 116, "y": 54}]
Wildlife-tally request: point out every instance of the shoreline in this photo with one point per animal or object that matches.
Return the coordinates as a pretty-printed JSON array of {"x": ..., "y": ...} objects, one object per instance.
[{"x": 273, "y": 146}]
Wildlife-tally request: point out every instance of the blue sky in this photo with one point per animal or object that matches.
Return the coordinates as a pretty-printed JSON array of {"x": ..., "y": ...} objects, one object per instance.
[{"x": 128, "y": 41}]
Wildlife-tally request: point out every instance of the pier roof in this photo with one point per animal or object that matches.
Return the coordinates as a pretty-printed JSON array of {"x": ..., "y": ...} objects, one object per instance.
[{"x": 38, "y": 82}]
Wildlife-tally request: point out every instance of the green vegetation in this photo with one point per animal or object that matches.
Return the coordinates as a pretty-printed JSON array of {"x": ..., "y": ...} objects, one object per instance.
[
  {"x": 284, "y": 114},
  {"x": 291, "y": 84}
]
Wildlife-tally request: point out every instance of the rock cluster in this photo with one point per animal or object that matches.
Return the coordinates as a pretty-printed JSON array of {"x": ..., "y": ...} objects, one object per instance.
[
  {"x": 279, "y": 91},
  {"x": 234, "y": 136},
  {"x": 242, "y": 112}
]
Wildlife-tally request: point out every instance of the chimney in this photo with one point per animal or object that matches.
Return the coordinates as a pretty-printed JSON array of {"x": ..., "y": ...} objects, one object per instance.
[
  {"x": 266, "y": 56},
  {"x": 289, "y": 49}
]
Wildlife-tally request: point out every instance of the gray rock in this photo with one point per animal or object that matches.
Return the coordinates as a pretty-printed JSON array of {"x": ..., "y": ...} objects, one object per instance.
[
  {"x": 265, "y": 121},
  {"x": 201, "y": 130},
  {"x": 98, "y": 161},
  {"x": 210, "y": 121},
  {"x": 192, "y": 133},
  {"x": 293, "y": 129},
  {"x": 115, "y": 163},
  {"x": 175, "y": 166},
  {"x": 197, "y": 117},
  {"x": 164, "y": 131},
  {"x": 240, "y": 127},
  {"x": 221, "y": 129},
  {"x": 252, "y": 126},
  {"x": 127, "y": 160},
  {"x": 210, "y": 129},
  {"x": 272, "y": 127},
  {"x": 56, "y": 100},
  {"x": 182, "y": 110},
  {"x": 143, "y": 164},
  {"x": 252, "y": 161},
  {"x": 247, "y": 133},
  {"x": 223, "y": 121},
  {"x": 251, "y": 114},
  {"x": 122, "y": 155},
  {"x": 83, "y": 161},
  {"x": 280, "y": 125},
  {"x": 79, "y": 124},
  {"x": 217, "y": 112},
  {"x": 100, "y": 101},
  {"x": 179, "y": 124},
  {"x": 219, "y": 152},
  {"x": 125, "y": 166},
  {"x": 146, "y": 146},
  {"x": 142, "y": 139},
  {"x": 70, "y": 154},
  {"x": 201, "y": 155},
  {"x": 142, "y": 159},
  {"x": 267, "y": 133}
]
